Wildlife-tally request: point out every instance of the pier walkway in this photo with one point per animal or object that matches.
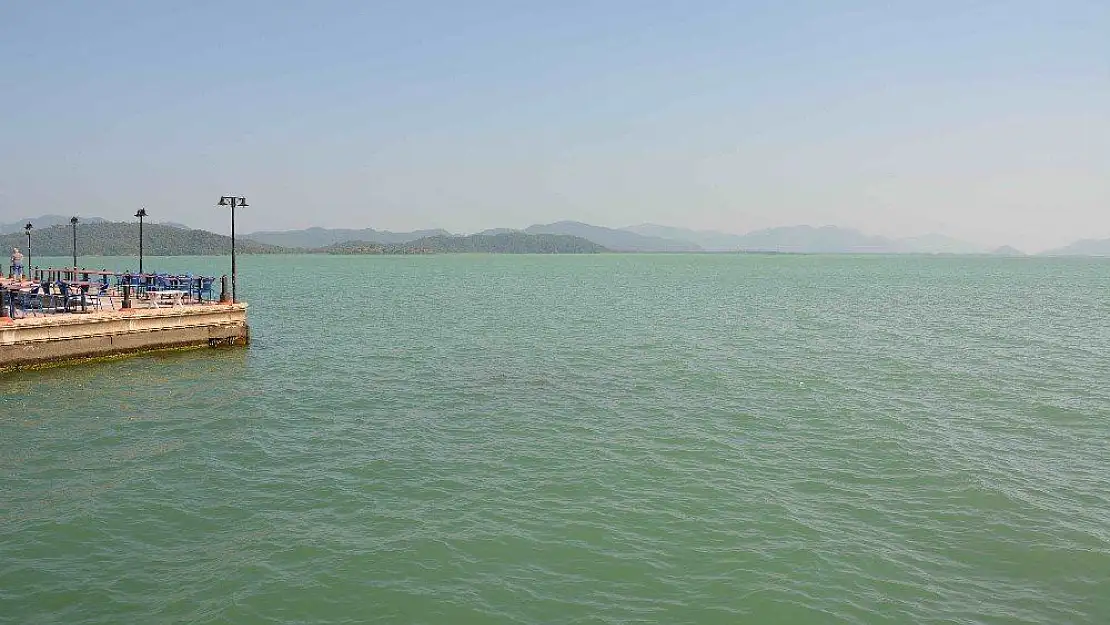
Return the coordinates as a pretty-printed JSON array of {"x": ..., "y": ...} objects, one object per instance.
[
  {"x": 67, "y": 316},
  {"x": 73, "y": 290}
]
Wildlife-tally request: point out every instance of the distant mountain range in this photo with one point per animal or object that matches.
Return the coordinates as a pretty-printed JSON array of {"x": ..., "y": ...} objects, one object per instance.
[
  {"x": 51, "y": 237},
  {"x": 811, "y": 240},
  {"x": 608, "y": 238},
  {"x": 708, "y": 240},
  {"x": 45, "y": 222},
  {"x": 323, "y": 237},
  {"x": 656, "y": 238},
  {"x": 616, "y": 240},
  {"x": 106, "y": 238},
  {"x": 1082, "y": 247},
  {"x": 499, "y": 243}
]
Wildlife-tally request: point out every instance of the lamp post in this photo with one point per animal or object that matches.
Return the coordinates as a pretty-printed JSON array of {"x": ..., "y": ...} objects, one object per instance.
[
  {"x": 73, "y": 222},
  {"x": 232, "y": 201},
  {"x": 140, "y": 215},
  {"x": 27, "y": 228}
]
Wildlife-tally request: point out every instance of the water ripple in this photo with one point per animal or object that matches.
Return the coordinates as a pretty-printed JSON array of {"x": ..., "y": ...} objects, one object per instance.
[{"x": 613, "y": 439}]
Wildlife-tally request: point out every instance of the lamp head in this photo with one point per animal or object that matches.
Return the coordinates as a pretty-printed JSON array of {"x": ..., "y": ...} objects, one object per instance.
[
  {"x": 223, "y": 200},
  {"x": 73, "y": 220},
  {"x": 141, "y": 213},
  {"x": 242, "y": 201},
  {"x": 28, "y": 227}
]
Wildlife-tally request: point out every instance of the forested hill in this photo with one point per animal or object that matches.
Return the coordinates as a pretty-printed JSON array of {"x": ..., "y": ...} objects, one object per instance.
[
  {"x": 504, "y": 243},
  {"x": 122, "y": 239}
]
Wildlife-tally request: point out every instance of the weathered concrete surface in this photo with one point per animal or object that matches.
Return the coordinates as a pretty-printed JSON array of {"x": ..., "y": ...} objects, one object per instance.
[{"x": 54, "y": 339}]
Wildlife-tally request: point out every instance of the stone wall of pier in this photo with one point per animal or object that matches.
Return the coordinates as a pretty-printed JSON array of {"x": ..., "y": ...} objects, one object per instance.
[{"x": 55, "y": 339}]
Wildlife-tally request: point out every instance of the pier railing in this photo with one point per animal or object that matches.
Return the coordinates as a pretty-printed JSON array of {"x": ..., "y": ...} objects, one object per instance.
[{"x": 77, "y": 289}]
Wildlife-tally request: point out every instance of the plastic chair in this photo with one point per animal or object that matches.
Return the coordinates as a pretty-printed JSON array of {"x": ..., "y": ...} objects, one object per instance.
[
  {"x": 70, "y": 295},
  {"x": 30, "y": 301},
  {"x": 57, "y": 296},
  {"x": 45, "y": 296},
  {"x": 185, "y": 283},
  {"x": 63, "y": 294},
  {"x": 131, "y": 281},
  {"x": 205, "y": 287},
  {"x": 93, "y": 298}
]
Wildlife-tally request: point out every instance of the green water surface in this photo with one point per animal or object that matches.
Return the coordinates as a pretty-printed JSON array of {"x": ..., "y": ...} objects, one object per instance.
[{"x": 582, "y": 439}]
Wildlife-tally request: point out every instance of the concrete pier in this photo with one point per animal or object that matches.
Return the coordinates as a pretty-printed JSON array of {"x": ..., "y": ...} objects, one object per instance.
[{"x": 56, "y": 339}]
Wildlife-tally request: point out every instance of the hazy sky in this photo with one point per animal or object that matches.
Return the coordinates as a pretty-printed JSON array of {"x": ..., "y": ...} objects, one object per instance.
[{"x": 984, "y": 120}]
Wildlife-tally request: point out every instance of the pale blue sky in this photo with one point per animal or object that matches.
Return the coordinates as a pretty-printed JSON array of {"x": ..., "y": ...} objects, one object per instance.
[{"x": 984, "y": 120}]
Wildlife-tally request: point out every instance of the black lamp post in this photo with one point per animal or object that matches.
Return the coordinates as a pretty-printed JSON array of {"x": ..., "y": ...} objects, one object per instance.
[
  {"x": 232, "y": 201},
  {"x": 140, "y": 215},
  {"x": 73, "y": 222},
  {"x": 27, "y": 228}
]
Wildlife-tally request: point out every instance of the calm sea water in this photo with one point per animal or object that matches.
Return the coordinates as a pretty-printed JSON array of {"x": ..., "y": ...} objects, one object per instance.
[{"x": 587, "y": 439}]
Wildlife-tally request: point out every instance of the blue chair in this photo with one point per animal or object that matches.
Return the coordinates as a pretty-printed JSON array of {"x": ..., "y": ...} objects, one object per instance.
[
  {"x": 94, "y": 297},
  {"x": 185, "y": 283},
  {"x": 64, "y": 294},
  {"x": 132, "y": 281},
  {"x": 56, "y": 295},
  {"x": 69, "y": 295},
  {"x": 30, "y": 301},
  {"x": 45, "y": 296},
  {"x": 205, "y": 288}
]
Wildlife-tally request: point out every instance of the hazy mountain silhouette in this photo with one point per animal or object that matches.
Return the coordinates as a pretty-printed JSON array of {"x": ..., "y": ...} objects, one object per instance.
[
  {"x": 496, "y": 231},
  {"x": 45, "y": 221},
  {"x": 708, "y": 240},
  {"x": 934, "y": 243},
  {"x": 323, "y": 237},
  {"x": 616, "y": 240},
  {"x": 1082, "y": 247},
  {"x": 640, "y": 238},
  {"x": 514, "y": 242},
  {"x": 811, "y": 240},
  {"x": 106, "y": 238},
  {"x": 509, "y": 243}
]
